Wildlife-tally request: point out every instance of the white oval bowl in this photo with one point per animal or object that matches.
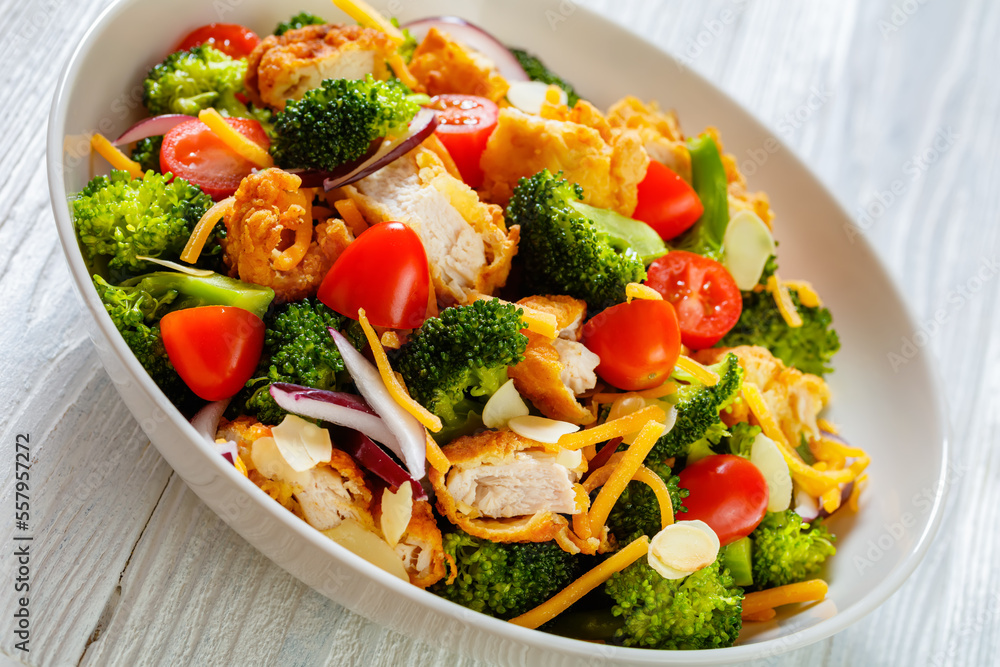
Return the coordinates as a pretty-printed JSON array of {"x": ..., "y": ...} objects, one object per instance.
[{"x": 895, "y": 414}]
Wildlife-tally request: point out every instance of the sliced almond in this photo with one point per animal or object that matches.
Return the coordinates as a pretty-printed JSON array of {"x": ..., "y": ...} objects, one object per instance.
[
  {"x": 767, "y": 457},
  {"x": 362, "y": 542},
  {"x": 541, "y": 429},
  {"x": 269, "y": 462},
  {"x": 570, "y": 458},
  {"x": 504, "y": 405},
  {"x": 302, "y": 444},
  {"x": 683, "y": 548},
  {"x": 397, "y": 509}
]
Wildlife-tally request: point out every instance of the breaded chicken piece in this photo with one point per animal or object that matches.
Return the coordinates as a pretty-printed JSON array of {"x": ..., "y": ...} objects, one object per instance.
[
  {"x": 284, "y": 68},
  {"x": 555, "y": 372},
  {"x": 507, "y": 488},
  {"x": 468, "y": 245},
  {"x": 793, "y": 397},
  {"x": 442, "y": 65},
  {"x": 244, "y": 431},
  {"x": 420, "y": 546},
  {"x": 523, "y": 144},
  {"x": 659, "y": 132},
  {"x": 268, "y": 210}
]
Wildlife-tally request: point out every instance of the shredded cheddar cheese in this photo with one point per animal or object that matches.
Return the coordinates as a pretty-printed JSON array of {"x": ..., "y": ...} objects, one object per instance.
[
  {"x": 622, "y": 475},
  {"x": 859, "y": 485},
  {"x": 437, "y": 458},
  {"x": 643, "y": 474},
  {"x": 390, "y": 340},
  {"x": 115, "y": 157},
  {"x": 830, "y": 500},
  {"x": 693, "y": 368},
  {"x": 664, "y": 389},
  {"x": 784, "y": 301},
  {"x": 806, "y": 591},
  {"x": 247, "y": 149},
  {"x": 542, "y": 323},
  {"x": 203, "y": 229},
  {"x": 612, "y": 429},
  {"x": 242, "y": 467},
  {"x": 640, "y": 291},
  {"x": 348, "y": 210},
  {"x": 392, "y": 380},
  {"x": 562, "y": 600},
  {"x": 765, "y": 615},
  {"x": 368, "y": 16},
  {"x": 807, "y": 295},
  {"x": 403, "y": 73}
]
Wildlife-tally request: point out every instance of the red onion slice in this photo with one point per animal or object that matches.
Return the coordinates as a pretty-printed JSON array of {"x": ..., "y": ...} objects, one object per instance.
[
  {"x": 155, "y": 126},
  {"x": 334, "y": 407},
  {"x": 421, "y": 127},
  {"x": 206, "y": 421},
  {"x": 474, "y": 37},
  {"x": 313, "y": 178},
  {"x": 370, "y": 456},
  {"x": 410, "y": 443},
  {"x": 604, "y": 455}
]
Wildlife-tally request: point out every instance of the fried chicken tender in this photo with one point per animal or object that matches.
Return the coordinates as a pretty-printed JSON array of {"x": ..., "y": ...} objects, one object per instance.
[
  {"x": 793, "y": 397},
  {"x": 659, "y": 132},
  {"x": 442, "y": 66},
  {"x": 269, "y": 211},
  {"x": 554, "y": 372},
  {"x": 284, "y": 68},
  {"x": 607, "y": 166},
  {"x": 468, "y": 245},
  {"x": 507, "y": 488},
  {"x": 420, "y": 546}
]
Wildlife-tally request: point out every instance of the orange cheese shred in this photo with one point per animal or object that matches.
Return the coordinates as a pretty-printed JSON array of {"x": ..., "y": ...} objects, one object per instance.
[
  {"x": 114, "y": 156},
  {"x": 437, "y": 458},
  {"x": 784, "y": 301},
  {"x": 368, "y": 16},
  {"x": 562, "y": 600},
  {"x": 203, "y": 229},
  {"x": 348, "y": 210},
  {"x": 403, "y": 73},
  {"x": 807, "y": 295},
  {"x": 760, "y": 616},
  {"x": 704, "y": 375},
  {"x": 622, "y": 475},
  {"x": 392, "y": 380},
  {"x": 247, "y": 149},
  {"x": 640, "y": 291},
  {"x": 612, "y": 429},
  {"x": 806, "y": 591},
  {"x": 664, "y": 389}
]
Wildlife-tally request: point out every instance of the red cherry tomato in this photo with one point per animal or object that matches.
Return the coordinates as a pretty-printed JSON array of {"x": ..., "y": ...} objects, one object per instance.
[
  {"x": 728, "y": 493},
  {"x": 193, "y": 152},
  {"x": 706, "y": 298},
  {"x": 385, "y": 272},
  {"x": 234, "y": 40},
  {"x": 638, "y": 343},
  {"x": 215, "y": 349},
  {"x": 465, "y": 123},
  {"x": 667, "y": 203}
]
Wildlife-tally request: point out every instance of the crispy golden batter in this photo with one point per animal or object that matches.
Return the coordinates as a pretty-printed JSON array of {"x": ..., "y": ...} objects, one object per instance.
[
  {"x": 659, "y": 132},
  {"x": 793, "y": 397},
  {"x": 268, "y": 209},
  {"x": 284, "y": 68},
  {"x": 244, "y": 430},
  {"x": 445, "y": 66},
  {"x": 494, "y": 448},
  {"x": 569, "y": 312},
  {"x": 420, "y": 546},
  {"x": 468, "y": 245},
  {"x": 522, "y": 145}
]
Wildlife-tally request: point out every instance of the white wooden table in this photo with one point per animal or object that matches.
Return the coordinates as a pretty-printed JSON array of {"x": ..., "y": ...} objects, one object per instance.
[{"x": 128, "y": 567}]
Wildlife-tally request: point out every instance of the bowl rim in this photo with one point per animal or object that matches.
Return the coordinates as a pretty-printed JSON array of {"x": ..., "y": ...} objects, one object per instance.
[{"x": 770, "y": 647}]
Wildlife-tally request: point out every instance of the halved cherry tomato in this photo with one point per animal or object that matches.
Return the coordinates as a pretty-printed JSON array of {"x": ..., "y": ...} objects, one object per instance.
[
  {"x": 465, "y": 123},
  {"x": 385, "y": 272},
  {"x": 706, "y": 297},
  {"x": 215, "y": 349},
  {"x": 728, "y": 493},
  {"x": 667, "y": 203},
  {"x": 234, "y": 40},
  {"x": 193, "y": 152},
  {"x": 638, "y": 343}
]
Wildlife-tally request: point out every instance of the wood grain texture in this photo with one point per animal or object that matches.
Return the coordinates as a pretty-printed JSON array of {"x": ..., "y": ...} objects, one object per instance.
[{"x": 131, "y": 569}]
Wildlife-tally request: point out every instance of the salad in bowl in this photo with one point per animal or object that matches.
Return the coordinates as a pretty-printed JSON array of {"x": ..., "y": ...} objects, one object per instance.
[{"x": 530, "y": 355}]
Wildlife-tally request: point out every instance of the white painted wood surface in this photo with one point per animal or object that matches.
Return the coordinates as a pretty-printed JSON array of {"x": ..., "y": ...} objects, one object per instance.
[{"x": 129, "y": 568}]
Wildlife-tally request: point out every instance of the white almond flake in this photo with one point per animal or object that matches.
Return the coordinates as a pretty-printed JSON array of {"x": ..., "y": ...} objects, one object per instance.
[
  {"x": 541, "y": 429},
  {"x": 397, "y": 509},
  {"x": 683, "y": 548},
  {"x": 302, "y": 444},
  {"x": 767, "y": 457}
]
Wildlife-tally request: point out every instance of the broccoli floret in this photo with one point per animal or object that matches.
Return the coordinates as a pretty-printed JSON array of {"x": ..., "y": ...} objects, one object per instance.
[
  {"x": 147, "y": 153},
  {"x": 137, "y": 305},
  {"x": 740, "y": 440},
  {"x": 637, "y": 511},
  {"x": 787, "y": 550},
  {"x": 455, "y": 362},
  {"x": 337, "y": 122},
  {"x": 810, "y": 348},
  {"x": 298, "y": 349},
  {"x": 698, "y": 408},
  {"x": 504, "y": 579},
  {"x": 300, "y": 20},
  {"x": 699, "y": 611},
  {"x": 189, "y": 81},
  {"x": 563, "y": 251},
  {"x": 537, "y": 71},
  {"x": 118, "y": 218}
]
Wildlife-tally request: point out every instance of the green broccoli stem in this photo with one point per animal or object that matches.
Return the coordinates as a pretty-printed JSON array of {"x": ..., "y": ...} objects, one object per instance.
[
  {"x": 626, "y": 235},
  {"x": 212, "y": 290},
  {"x": 594, "y": 625},
  {"x": 708, "y": 176},
  {"x": 736, "y": 557}
]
